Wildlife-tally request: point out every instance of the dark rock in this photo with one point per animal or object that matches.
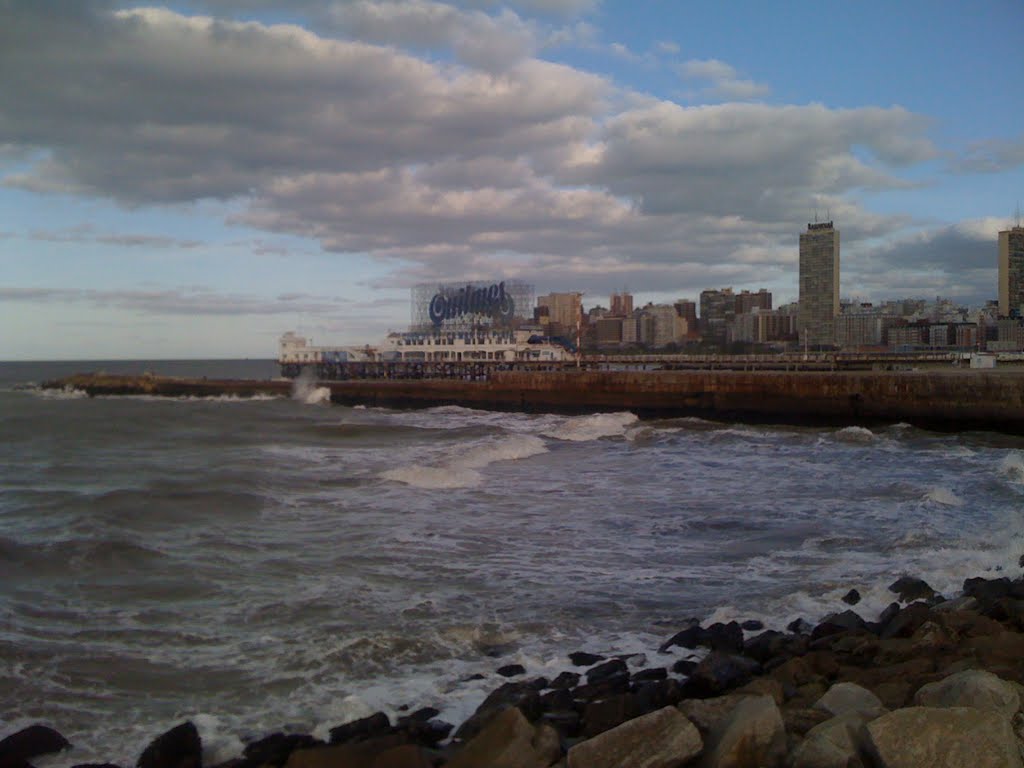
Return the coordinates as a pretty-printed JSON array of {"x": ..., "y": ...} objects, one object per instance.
[
  {"x": 180, "y": 747},
  {"x": 724, "y": 637},
  {"x": 611, "y": 686},
  {"x": 584, "y": 659},
  {"x": 567, "y": 722},
  {"x": 837, "y": 622},
  {"x": 752, "y": 625},
  {"x": 888, "y": 614},
  {"x": 31, "y": 742},
  {"x": 558, "y": 699},
  {"x": 684, "y": 666},
  {"x": 275, "y": 748},
  {"x": 607, "y": 670},
  {"x": 421, "y": 715},
  {"x": 765, "y": 645},
  {"x": 907, "y": 621},
  {"x": 370, "y": 727},
  {"x": 690, "y": 637},
  {"x": 511, "y": 670},
  {"x": 719, "y": 672},
  {"x": 852, "y": 597},
  {"x": 1020, "y": 561},
  {"x": 601, "y": 716},
  {"x": 649, "y": 675},
  {"x": 520, "y": 694},
  {"x": 566, "y": 680},
  {"x": 426, "y": 733},
  {"x": 987, "y": 590},
  {"x": 473, "y": 677},
  {"x": 800, "y": 627},
  {"x": 657, "y": 694},
  {"x": 109, "y": 765},
  {"x": 910, "y": 588}
]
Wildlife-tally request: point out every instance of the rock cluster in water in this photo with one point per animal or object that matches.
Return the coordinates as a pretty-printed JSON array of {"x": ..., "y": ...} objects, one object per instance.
[{"x": 933, "y": 682}]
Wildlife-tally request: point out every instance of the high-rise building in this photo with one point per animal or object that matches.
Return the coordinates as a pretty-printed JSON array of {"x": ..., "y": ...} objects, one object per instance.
[
  {"x": 622, "y": 304},
  {"x": 747, "y": 302},
  {"x": 563, "y": 314},
  {"x": 819, "y": 284},
  {"x": 1011, "y": 272},
  {"x": 717, "y": 308}
]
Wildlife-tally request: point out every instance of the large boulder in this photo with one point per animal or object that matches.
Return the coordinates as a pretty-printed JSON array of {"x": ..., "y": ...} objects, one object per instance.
[
  {"x": 753, "y": 736},
  {"x": 846, "y": 698},
  {"x": 661, "y": 739},
  {"x": 957, "y": 737},
  {"x": 972, "y": 688},
  {"x": 836, "y": 743},
  {"x": 180, "y": 747},
  {"x": 509, "y": 741},
  {"x": 719, "y": 672},
  {"x": 31, "y": 742},
  {"x": 522, "y": 695},
  {"x": 707, "y": 714},
  {"x": 355, "y": 754},
  {"x": 910, "y": 588},
  {"x": 377, "y": 724}
]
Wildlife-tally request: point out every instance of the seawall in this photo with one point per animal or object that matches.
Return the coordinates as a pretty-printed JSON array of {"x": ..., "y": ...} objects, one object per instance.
[{"x": 943, "y": 400}]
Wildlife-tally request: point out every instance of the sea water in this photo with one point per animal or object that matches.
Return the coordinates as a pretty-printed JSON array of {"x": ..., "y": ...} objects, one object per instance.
[{"x": 282, "y": 563}]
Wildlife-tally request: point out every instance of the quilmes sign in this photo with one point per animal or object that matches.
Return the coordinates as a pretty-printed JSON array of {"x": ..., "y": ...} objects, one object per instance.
[{"x": 490, "y": 300}]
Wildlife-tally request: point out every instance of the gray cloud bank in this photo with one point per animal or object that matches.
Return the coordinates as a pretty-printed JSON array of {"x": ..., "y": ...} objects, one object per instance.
[{"x": 491, "y": 160}]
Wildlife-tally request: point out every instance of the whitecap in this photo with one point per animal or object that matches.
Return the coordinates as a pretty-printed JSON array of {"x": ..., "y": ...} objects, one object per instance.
[
  {"x": 582, "y": 429},
  {"x": 1012, "y": 467},
  {"x": 462, "y": 469},
  {"x": 944, "y": 496},
  {"x": 855, "y": 435}
]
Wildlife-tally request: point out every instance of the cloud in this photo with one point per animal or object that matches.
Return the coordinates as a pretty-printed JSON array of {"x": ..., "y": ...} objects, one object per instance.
[
  {"x": 991, "y": 156},
  {"x": 174, "y": 301},
  {"x": 725, "y": 82},
  {"x": 85, "y": 233},
  {"x": 438, "y": 168}
]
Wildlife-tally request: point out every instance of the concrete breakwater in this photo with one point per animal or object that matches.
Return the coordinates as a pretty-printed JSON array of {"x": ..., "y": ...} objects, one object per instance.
[{"x": 935, "y": 399}]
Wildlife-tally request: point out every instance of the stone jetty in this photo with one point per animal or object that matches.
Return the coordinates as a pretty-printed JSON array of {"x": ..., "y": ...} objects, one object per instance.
[
  {"x": 930, "y": 682},
  {"x": 941, "y": 399}
]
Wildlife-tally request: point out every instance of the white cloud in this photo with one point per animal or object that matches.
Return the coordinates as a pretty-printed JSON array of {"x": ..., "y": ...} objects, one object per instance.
[{"x": 724, "y": 80}]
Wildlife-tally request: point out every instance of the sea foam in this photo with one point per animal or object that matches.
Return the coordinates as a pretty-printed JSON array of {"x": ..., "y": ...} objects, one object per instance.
[
  {"x": 462, "y": 469},
  {"x": 581, "y": 429}
]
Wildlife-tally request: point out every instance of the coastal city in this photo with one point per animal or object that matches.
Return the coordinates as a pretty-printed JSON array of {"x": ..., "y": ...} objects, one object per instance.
[{"x": 494, "y": 322}]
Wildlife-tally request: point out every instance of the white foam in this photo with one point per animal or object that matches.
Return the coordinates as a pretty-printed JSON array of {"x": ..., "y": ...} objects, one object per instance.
[
  {"x": 65, "y": 393},
  {"x": 581, "y": 429},
  {"x": 855, "y": 435},
  {"x": 944, "y": 496},
  {"x": 305, "y": 389},
  {"x": 462, "y": 470},
  {"x": 1012, "y": 467}
]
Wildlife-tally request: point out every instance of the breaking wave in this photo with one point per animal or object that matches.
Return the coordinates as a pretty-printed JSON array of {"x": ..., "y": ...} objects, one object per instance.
[
  {"x": 581, "y": 429},
  {"x": 462, "y": 470}
]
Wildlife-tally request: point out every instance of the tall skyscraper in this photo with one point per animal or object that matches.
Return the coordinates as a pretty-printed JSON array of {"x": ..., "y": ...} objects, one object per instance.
[
  {"x": 1011, "y": 272},
  {"x": 819, "y": 284},
  {"x": 622, "y": 304}
]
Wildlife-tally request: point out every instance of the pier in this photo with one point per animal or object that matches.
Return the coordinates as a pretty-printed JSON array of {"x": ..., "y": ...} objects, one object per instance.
[{"x": 946, "y": 398}]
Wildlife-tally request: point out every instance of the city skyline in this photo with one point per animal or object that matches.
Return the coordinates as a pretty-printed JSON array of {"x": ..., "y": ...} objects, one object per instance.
[{"x": 193, "y": 178}]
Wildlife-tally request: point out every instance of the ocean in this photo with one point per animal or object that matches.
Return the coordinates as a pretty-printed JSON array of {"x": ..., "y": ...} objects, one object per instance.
[{"x": 286, "y": 564}]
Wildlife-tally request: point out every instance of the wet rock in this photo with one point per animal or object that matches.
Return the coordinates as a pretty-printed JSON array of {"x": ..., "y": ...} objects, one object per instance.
[
  {"x": 511, "y": 670},
  {"x": 800, "y": 627},
  {"x": 611, "y": 686},
  {"x": 658, "y": 694},
  {"x": 837, "y": 622},
  {"x": 600, "y": 716},
  {"x": 566, "y": 680},
  {"x": 31, "y": 742},
  {"x": 852, "y": 597},
  {"x": 845, "y": 698},
  {"x": 275, "y": 748},
  {"x": 606, "y": 671},
  {"x": 356, "y": 753},
  {"x": 509, "y": 741},
  {"x": 405, "y": 756},
  {"x": 888, "y": 614},
  {"x": 421, "y": 728},
  {"x": 684, "y": 666},
  {"x": 753, "y": 736},
  {"x": 906, "y": 622},
  {"x": 724, "y": 637},
  {"x": 719, "y": 672},
  {"x": 800, "y": 721},
  {"x": 752, "y": 625},
  {"x": 566, "y": 722},
  {"x": 584, "y": 659},
  {"x": 764, "y": 686},
  {"x": 910, "y": 588},
  {"x": 661, "y": 739},
  {"x": 179, "y": 747},
  {"x": 521, "y": 695},
  {"x": 370, "y": 727},
  {"x": 650, "y": 675},
  {"x": 960, "y": 737},
  {"x": 971, "y": 688},
  {"x": 557, "y": 699},
  {"x": 690, "y": 637}
]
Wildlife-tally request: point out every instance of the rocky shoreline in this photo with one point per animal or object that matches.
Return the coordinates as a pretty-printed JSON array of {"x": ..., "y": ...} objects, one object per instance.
[{"x": 931, "y": 682}]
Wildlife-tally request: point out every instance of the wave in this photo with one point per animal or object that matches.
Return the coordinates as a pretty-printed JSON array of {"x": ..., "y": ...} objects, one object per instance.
[
  {"x": 1012, "y": 467},
  {"x": 65, "y": 393},
  {"x": 462, "y": 471},
  {"x": 856, "y": 435},
  {"x": 943, "y": 496},
  {"x": 582, "y": 429}
]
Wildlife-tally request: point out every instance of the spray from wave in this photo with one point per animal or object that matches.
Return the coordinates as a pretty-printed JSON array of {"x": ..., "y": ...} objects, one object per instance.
[
  {"x": 305, "y": 389},
  {"x": 581, "y": 429}
]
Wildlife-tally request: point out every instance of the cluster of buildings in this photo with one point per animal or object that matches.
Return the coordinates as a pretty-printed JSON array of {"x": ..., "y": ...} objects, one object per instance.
[{"x": 502, "y": 322}]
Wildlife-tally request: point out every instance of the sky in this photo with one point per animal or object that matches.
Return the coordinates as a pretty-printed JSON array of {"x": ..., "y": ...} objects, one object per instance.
[{"x": 192, "y": 179}]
